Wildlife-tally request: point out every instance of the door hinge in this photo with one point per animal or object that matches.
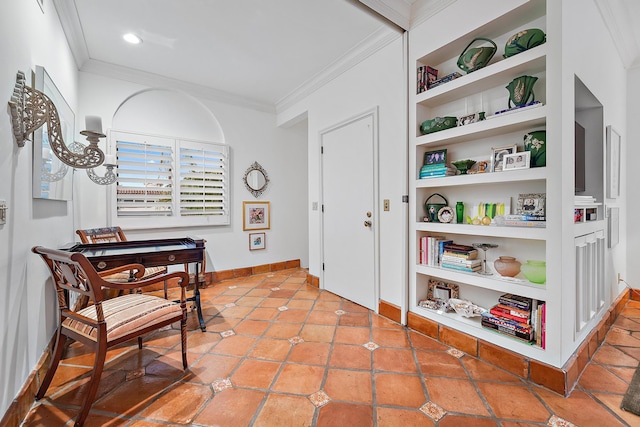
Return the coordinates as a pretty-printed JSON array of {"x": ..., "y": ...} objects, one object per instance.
[
  {"x": 322, "y": 149},
  {"x": 323, "y": 266},
  {"x": 322, "y": 208},
  {"x": 405, "y": 199}
]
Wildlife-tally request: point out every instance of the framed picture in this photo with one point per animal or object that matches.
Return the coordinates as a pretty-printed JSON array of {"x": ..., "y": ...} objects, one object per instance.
[
  {"x": 439, "y": 293},
  {"x": 255, "y": 216},
  {"x": 613, "y": 163},
  {"x": 481, "y": 166},
  {"x": 497, "y": 153},
  {"x": 516, "y": 160},
  {"x": 467, "y": 120},
  {"x": 531, "y": 204},
  {"x": 435, "y": 157},
  {"x": 257, "y": 241}
]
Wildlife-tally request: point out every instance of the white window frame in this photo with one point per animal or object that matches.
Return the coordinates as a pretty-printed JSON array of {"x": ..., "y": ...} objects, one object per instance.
[{"x": 175, "y": 219}]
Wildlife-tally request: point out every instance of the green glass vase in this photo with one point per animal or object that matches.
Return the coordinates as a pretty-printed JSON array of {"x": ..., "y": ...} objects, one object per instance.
[{"x": 535, "y": 271}]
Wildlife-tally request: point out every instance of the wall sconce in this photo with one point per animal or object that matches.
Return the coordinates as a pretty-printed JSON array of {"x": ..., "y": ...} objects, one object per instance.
[
  {"x": 109, "y": 177},
  {"x": 109, "y": 162},
  {"x": 31, "y": 109}
]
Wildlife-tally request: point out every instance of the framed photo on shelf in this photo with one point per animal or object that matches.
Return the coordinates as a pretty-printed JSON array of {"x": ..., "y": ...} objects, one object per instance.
[
  {"x": 439, "y": 293},
  {"x": 467, "y": 120},
  {"x": 613, "y": 163},
  {"x": 497, "y": 154},
  {"x": 435, "y": 157},
  {"x": 516, "y": 160},
  {"x": 481, "y": 166},
  {"x": 256, "y": 216},
  {"x": 257, "y": 241},
  {"x": 531, "y": 204}
]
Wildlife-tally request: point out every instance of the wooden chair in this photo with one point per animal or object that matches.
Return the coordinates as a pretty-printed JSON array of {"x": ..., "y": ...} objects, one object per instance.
[
  {"x": 108, "y": 322},
  {"x": 115, "y": 234}
]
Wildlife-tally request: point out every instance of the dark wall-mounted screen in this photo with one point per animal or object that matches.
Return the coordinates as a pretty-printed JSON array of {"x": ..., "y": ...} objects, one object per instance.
[{"x": 579, "y": 159}]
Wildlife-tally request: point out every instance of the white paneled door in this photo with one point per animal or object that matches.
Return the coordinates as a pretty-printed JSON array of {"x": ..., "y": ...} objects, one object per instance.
[{"x": 349, "y": 225}]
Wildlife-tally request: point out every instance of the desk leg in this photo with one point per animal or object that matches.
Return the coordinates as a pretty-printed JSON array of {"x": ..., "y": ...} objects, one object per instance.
[{"x": 196, "y": 295}]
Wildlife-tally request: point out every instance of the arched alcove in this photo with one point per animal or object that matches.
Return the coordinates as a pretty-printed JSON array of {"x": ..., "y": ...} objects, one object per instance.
[{"x": 169, "y": 113}]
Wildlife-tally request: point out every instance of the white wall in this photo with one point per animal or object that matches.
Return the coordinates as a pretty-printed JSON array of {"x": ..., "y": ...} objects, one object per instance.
[
  {"x": 30, "y": 38},
  {"x": 608, "y": 83},
  {"x": 252, "y": 136},
  {"x": 377, "y": 81},
  {"x": 630, "y": 140},
  {"x": 27, "y": 314}
]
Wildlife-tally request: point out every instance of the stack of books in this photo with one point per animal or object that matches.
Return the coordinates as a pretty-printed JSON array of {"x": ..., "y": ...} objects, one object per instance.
[
  {"x": 519, "y": 317},
  {"x": 426, "y": 75},
  {"x": 431, "y": 249},
  {"x": 584, "y": 200},
  {"x": 460, "y": 258},
  {"x": 436, "y": 170},
  {"x": 525, "y": 220}
]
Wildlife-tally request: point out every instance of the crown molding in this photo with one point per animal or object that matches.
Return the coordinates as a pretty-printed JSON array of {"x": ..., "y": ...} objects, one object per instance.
[
  {"x": 423, "y": 10},
  {"x": 396, "y": 11},
  {"x": 381, "y": 38},
  {"x": 616, "y": 18},
  {"x": 119, "y": 72},
  {"x": 70, "y": 21}
]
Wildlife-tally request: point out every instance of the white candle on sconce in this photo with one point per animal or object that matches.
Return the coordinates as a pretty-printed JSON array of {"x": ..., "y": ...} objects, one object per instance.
[
  {"x": 93, "y": 124},
  {"x": 109, "y": 159}
]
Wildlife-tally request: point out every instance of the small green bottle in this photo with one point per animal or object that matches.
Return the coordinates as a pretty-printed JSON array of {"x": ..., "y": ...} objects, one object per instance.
[{"x": 459, "y": 212}]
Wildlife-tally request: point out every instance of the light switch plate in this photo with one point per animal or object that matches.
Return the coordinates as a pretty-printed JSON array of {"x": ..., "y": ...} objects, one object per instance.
[{"x": 3, "y": 212}]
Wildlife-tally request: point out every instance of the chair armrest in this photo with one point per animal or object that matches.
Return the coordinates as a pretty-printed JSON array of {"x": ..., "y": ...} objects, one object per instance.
[
  {"x": 183, "y": 276},
  {"x": 138, "y": 274}
]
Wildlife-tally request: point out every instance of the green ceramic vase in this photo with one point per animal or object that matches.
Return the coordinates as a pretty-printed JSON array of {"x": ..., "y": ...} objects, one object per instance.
[
  {"x": 521, "y": 90},
  {"x": 536, "y": 144}
]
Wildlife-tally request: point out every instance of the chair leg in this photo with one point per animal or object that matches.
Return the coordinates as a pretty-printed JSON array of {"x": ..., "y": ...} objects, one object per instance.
[
  {"x": 55, "y": 361},
  {"x": 98, "y": 366},
  {"x": 140, "y": 342},
  {"x": 183, "y": 339}
]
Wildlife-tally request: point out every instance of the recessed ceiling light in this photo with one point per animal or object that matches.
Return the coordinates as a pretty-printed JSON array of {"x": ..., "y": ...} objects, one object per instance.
[{"x": 132, "y": 38}]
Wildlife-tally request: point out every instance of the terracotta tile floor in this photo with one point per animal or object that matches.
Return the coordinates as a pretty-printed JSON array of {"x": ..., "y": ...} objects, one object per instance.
[{"x": 278, "y": 352}]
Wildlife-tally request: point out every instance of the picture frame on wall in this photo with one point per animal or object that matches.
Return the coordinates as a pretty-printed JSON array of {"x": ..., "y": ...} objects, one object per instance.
[
  {"x": 257, "y": 241},
  {"x": 613, "y": 163},
  {"x": 497, "y": 154},
  {"x": 256, "y": 216}
]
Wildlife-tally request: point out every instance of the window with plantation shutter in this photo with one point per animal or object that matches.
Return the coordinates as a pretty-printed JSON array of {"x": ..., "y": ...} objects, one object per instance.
[
  {"x": 145, "y": 179},
  {"x": 168, "y": 182},
  {"x": 202, "y": 179}
]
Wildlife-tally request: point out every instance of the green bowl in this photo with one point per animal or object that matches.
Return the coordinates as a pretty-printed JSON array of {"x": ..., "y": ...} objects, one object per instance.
[{"x": 463, "y": 165}]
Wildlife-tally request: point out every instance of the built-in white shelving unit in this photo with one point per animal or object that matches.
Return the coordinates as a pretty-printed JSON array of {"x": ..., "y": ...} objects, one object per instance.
[{"x": 482, "y": 90}]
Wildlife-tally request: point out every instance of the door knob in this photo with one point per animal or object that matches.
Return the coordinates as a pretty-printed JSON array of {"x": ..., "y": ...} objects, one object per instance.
[{"x": 367, "y": 223}]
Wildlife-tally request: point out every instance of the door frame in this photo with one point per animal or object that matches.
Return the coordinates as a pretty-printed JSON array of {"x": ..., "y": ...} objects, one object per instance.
[{"x": 373, "y": 112}]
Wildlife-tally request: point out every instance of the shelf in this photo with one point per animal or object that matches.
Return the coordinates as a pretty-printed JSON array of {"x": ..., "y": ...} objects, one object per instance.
[
  {"x": 529, "y": 233},
  {"x": 500, "y": 73},
  {"x": 494, "y": 283},
  {"x": 473, "y": 327},
  {"x": 588, "y": 227},
  {"x": 521, "y": 120},
  {"x": 531, "y": 174}
]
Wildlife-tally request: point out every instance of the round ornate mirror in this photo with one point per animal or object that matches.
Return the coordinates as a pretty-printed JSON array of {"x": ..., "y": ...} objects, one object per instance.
[{"x": 256, "y": 179}]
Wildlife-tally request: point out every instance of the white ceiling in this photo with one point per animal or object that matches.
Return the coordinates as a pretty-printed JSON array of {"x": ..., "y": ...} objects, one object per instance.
[
  {"x": 261, "y": 51},
  {"x": 266, "y": 54}
]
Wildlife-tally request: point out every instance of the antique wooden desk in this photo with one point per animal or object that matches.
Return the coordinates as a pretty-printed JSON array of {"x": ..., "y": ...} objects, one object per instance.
[{"x": 150, "y": 253}]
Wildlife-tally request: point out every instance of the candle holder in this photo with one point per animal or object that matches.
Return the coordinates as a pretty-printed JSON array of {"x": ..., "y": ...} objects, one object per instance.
[{"x": 485, "y": 247}]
